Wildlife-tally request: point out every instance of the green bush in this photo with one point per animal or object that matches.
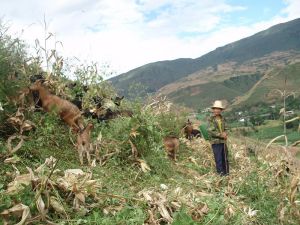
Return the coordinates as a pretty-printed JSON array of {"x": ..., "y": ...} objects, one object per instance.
[
  {"x": 12, "y": 60},
  {"x": 145, "y": 130}
]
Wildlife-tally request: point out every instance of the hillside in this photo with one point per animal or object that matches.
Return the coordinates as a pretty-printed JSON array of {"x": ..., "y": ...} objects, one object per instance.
[
  {"x": 44, "y": 177},
  {"x": 276, "y": 46},
  {"x": 202, "y": 95},
  {"x": 234, "y": 82},
  {"x": 151, "y": 75},
  {"x": 264, "y": 91}
]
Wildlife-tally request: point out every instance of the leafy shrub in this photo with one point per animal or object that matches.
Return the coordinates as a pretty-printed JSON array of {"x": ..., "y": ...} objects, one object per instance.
[{"x": 144, "y": 129}]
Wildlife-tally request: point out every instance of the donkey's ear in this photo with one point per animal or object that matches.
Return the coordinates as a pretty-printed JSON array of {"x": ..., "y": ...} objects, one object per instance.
[{"x": 189, "y": 120}]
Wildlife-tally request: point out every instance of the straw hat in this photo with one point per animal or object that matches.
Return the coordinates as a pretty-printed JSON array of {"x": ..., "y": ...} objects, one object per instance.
[{"x": 218, "y": 104}]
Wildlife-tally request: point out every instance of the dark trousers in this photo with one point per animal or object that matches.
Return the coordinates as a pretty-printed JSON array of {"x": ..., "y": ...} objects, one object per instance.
[{"x": 220, "y": 154}]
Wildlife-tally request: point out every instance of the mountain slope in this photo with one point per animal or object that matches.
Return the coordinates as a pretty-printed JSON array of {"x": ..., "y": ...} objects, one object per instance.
[
  {"x": 281, "y": 37},
  {"x": 198, "y": 90},
  {"x": 200, "y": 96},
  {"x": 264, "y": 91},
  {"x": 154, "y": 76}
]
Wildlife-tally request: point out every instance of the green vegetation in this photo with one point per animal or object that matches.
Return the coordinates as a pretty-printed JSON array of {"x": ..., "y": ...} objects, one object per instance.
[
  {"x": 202, "y": 95},
  {"x": 264, "y": 121},
  {"x": 258, "y": 97},
  {"x": 248, "y": 195},
  {"x": 242, "y": 83},
  {"x": 265, "y": 91},
  {"x": 272, "y": 129},
  {"x": 12, "y": 57},
  {"x": 151, "y": 75}
]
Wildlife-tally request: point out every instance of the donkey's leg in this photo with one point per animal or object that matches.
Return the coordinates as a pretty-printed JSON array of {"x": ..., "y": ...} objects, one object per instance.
[
  {"x": 80, "y": 153},
  {"x": 69, "y": 119},
  {"x": 88, "y": 156}
]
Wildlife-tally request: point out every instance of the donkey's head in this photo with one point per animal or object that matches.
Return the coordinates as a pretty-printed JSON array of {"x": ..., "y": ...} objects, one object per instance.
[{"x": 36, "y": 85}]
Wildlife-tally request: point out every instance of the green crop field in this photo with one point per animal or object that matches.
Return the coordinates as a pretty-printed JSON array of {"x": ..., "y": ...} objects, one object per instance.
[{"x": 268, "y": 133}]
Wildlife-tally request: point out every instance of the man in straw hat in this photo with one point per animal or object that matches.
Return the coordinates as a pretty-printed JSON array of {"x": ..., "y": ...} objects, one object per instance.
[{"x": 218, "y": 136}]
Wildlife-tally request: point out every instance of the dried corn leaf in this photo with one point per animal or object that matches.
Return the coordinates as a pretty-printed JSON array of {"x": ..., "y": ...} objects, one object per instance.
[
  {"x": 193, "y": 160},
  {"x": 229, "y": 211},
  {"x": 99, "y": 138},
  {"x": 250, "y": 212},
  {"x": 282, "y": 111},
  {"x": 151, "y": 219},
  {"x": 159, "y": 202},
  {"x": 18, "y": 183},
  {"x": 93, "y": 164},
  {"x": 112, "y": 209},
  {"x": 19, "y": 210},
  {"x": 282, "y": 212},
  {"x": 275, "y": 139},
  {"x": 293, "y": 189},
  {"x": 134, "y": 133},
  {"x": 18, "y": 119},
  {"x": 146, "y": 195},
  {"x": 12, "y": 160},
  {"x": 178, "y": 191},
  {"x": 133, "y": 150},
  {"x": 295, "y": 143},
  {"x": 199, "y": 211},
  {"x": 49, "y": 163},
  {"x": 144, "y": 166},
  {"x": 17, "y": 172},
  {"x": 12, "y": 150},
  {"x": 203, "y": 194},
  {"x": 73, "y": 174},
  {"x": 291, "y": 120},
  {"x": 15, "y": 121},
  {"x": 27, "y": 126},
  {"x": 80, "y": 184},
  {"x": 163, "y": 187},
  {"x": 78, "y": 201},
  {"x": 164, "y": 213},
  {"x": 176, "y": 204},
  {"x": 80, "y": 196},
  {"x": 57, "y": 206},
  {"x": 40, "y": 205}
]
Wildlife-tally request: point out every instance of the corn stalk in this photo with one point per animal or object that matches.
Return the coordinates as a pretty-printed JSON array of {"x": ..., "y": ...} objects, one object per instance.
[{"x": 284, "y": 94}]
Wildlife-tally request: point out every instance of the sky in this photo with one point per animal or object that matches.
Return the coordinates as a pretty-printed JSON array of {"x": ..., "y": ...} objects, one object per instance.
[{"x": 130, "y": 33}]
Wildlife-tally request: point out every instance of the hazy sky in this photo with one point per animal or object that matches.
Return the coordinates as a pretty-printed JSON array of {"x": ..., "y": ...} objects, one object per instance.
[{"x": 129, "y": 33}]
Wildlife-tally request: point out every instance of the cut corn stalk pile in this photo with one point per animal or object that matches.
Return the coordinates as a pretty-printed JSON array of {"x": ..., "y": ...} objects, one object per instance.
[{"x": 53, "y": 191}]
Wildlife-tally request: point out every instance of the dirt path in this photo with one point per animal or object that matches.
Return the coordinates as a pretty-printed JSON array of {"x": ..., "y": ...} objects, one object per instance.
[{"x": 250, "y": 92}]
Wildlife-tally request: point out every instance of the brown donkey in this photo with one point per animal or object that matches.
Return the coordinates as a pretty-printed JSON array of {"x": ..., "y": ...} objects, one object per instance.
[
  {"x": 84, "y": 144},
  {"x": 188, "y": 130},
  {"x": 171, "y": 146},
  {"x": 67, "y": 111}
]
